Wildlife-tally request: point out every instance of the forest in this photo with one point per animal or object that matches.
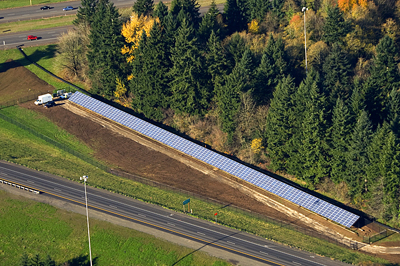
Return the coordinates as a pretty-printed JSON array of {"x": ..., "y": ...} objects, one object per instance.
[{"x": 306, "y": 89}]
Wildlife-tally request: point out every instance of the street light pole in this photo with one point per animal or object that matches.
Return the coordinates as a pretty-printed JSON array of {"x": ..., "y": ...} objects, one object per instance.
[
  {"x": 85, "y": 178},
  {"x": 305, "y": 35}
]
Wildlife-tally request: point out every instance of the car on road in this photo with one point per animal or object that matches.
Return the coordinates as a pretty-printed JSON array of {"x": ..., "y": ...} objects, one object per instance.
[
  {"x": 45, "y": 7},
  {"x": 31, "y": 37},
  {"x": 68, "y": 8}
]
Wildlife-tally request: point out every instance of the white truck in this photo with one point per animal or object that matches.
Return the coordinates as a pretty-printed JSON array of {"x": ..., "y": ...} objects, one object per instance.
[{"x": 42, "y": 99}]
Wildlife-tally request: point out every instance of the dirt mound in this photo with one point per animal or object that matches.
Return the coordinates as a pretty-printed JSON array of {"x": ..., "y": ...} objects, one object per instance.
[{"x": 17, "y": 82}]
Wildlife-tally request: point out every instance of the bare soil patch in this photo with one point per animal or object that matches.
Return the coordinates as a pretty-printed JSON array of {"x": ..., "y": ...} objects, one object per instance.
[{"x": 124, "y": 149}]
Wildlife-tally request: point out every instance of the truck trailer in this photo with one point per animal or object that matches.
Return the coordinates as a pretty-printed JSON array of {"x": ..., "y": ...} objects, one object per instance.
[{"x": 42, "y": 99}]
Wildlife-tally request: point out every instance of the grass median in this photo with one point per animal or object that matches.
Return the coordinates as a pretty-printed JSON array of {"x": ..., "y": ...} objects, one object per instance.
[
  {"x": 24, "y": 148},
  {"x": 36, "y": 228},
  {"x": 36, "y": 24},
  {"x": 20, "y": 3}
]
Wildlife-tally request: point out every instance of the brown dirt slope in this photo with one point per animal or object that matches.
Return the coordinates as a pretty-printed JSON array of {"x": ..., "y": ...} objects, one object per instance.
[{"x": 17, "y": 82}]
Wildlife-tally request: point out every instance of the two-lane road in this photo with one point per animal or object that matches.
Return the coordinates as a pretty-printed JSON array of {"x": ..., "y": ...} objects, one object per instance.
[{"x": 243, "y": 244}]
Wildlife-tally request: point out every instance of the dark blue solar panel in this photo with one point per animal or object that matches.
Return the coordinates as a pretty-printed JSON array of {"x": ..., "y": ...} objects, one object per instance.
[{"x": 250, "y": 175}]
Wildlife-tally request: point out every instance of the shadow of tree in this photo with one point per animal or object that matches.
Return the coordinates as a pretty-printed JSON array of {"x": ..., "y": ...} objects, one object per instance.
[{"x": 81, "y": 260}]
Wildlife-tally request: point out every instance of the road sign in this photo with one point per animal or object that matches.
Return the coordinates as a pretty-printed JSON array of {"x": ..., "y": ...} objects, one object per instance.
[
  {"x": 186, "y": 201},
  {"x": 216, "y": 213}
]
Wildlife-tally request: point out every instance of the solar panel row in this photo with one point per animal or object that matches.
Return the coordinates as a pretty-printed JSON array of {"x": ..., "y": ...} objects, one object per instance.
[{"x": 248, "y": 174}]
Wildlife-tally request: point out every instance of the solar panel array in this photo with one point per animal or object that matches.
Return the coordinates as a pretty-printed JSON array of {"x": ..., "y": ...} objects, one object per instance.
[{"x": 230, "y": 166}]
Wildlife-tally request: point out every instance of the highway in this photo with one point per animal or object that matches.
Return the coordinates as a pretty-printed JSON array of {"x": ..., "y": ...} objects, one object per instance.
[
  {"x": 234, "y": 241},
  {"x": 34, "y": 12}
]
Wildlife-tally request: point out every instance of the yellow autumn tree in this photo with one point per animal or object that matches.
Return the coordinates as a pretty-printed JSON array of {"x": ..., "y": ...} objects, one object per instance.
[
  {"x": 256, "y": 145},
  {"x": 132, "y": 30},
  {"x": 120, "y": 93},
  {"x": 253, "y": 26}
]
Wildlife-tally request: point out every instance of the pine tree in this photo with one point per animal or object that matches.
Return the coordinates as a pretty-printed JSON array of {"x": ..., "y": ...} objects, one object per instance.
[
  {"x": 236, "y": 14},
  {"x": 314, "y": 148},
  {"x": 25, "y": 260},
  {"x": 160, "y": 11},
  {"x": 143, "y": 7},
  {"x": 279, "y": 123},
  {"x": 35, "y": 260},
  {"x": 337, "y": 74},
  {"x": 189, "y": 93},
  {"x": 215, "y": 58},
  {"x": 391, "y": 172},
  {"x": 272, "y": 69},
  {"x": 357, "y": 99},
  {"x": 384, "y": 77},
  {"x": 339, "y": 140},
  {"x": 49, "y": 261},
  {"x": 149, "y": 83},
  {"x": 106, "y": 63},
  {"x": 190, "y": 8},
  {"x": 258, "y": 9},
  {"x": 335, "y": 28},
  {"x": 357, "y": 159},
  {"x": 393, "y": 117},
  {"x": 208, "y": 23},
  {"x": 86, "y": 12},
  {"x": 246, "y": 68},
  {"x": 228, "y": 100},
  {"x": 235, "y": 49}
]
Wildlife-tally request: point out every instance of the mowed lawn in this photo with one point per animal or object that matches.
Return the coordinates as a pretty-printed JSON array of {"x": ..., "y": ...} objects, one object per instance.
[
  {"x": 37, "y": 228},
  {"x": 19, "y": 3}
]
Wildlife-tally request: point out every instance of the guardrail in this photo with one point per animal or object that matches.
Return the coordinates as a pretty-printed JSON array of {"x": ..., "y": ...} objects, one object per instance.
[{"x": 2, "y": 181}]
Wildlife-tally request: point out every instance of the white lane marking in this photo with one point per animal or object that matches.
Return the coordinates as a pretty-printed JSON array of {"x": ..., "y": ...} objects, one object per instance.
[
  {"x": 201, "y": 233},
  {"x": 56, "y": 189},
  {"x": 264, "y": 253},
  {"x": 113, "y": 206},
  {"x": 203, "y": 228},
  {"x": 296, "y": 263},
  {"x": 230, "y": 242},
  {"x": 51, "y": 32},
  {"x": 30, "y": 181},
  {"x": 141, "y": 215},
  {"x": 171, "y": 224}
]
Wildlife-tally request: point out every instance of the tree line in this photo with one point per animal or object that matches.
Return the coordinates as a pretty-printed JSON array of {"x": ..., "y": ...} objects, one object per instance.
[{"x": 336, "y": 123}]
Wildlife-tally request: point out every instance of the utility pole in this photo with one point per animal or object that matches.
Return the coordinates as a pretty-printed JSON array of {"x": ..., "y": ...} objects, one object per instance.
[
  {"x": 305, "y": 35},
  {"x": 85, "y": 178}
]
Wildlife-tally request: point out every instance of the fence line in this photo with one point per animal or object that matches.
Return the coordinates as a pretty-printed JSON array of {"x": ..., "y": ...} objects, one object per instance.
[
  {"x": 283, "y": 224},
  {"x": 26, "y": 98}
]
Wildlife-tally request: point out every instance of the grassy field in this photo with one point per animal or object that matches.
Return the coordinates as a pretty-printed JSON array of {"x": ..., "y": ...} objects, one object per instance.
[
  {"x": 23, "y": 148},
  {"x": 36, "y": 24},
  {"x": 37, "y": 228},
  {"x": 19, "y": 3},
  {"x": 43, "y": 55}
]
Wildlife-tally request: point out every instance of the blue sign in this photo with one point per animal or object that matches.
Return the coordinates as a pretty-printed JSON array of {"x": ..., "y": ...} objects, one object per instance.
[{"x": 186, "y": 201}]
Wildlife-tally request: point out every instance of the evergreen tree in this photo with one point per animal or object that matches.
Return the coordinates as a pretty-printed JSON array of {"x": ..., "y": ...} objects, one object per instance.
[
  {"x": 35, "y": 260},
  {"x": 235, "y": 49},
  {"x": 314, "y": 148},
  {"x": 106, "y": 63},
  {"x": 149, "y": 83},
  {"x": 49, "y": 261},
  {"x": 337, "y": 74},
  {"x": 357, "y": 159},
  {"x": 189, "y": 93},
  {"x": 357, "y": 99},
  {"x": 228, "y": 100},
  {"x": 25, "y": 260},
  {"x": 279, "y": 123},
  {"x": 272, "y": 69},
  {"x": 339, "y": 140},
  {"x": 215, "y": 58},
  {"x": 246, "y": 68},
  {"x": 335, "y": 28},
  {"x": 394, "y": 111},
  {"x": 384, "y": 77},
  {"x": 236, "y": 14},
  {"x": 143, "y": 7},
  {"x": 86, "y": 12},
  {"x": 208, "y": 23},
  {"x": 190, "y": 8},
  {"x": 277, "y": 6},
  {"x": 258, "y": 9},
  {"x": 160, "y": 11},
  {"x": 391, "y": 172}
]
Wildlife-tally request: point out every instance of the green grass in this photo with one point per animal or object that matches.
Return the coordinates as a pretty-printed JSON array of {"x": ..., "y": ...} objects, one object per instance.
[
  {"x": 19, "y": 3},
  {"x": 35, "y": 24},
  {"x": 24, "y": 148},
  {"x": 36, "y": 228},
  {"x": 42, "y": 55}
]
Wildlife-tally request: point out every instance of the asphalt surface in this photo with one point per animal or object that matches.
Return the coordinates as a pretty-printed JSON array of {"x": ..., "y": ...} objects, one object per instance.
[
  {"x": 34, "y": 12},
  {"x": 243, "y": 244}
]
